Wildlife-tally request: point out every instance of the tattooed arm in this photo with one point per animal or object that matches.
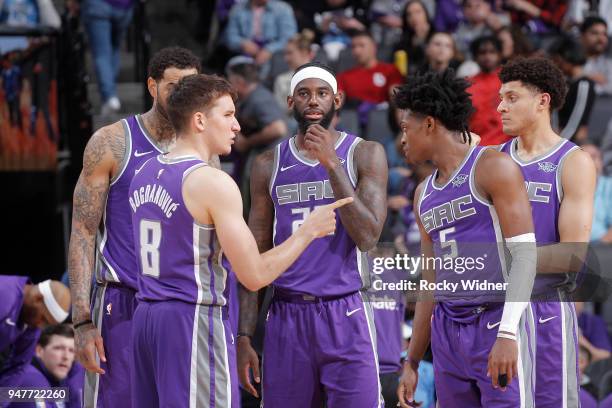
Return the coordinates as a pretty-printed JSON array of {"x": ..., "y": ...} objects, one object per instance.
[
  {"x": 101, "y": 160},
  {"x": 261, "y": 217}
]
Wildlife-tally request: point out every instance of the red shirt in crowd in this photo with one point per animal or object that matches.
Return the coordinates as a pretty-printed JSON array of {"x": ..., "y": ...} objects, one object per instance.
[
  {"x": 486, "y": 121},
  {"x": 369, "y": 84}
]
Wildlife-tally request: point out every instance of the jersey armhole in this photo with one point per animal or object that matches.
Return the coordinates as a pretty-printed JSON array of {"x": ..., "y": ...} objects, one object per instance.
[
  {"x": 275, "y": 163},
  {"x": 127, "y": 134},
  {"x": 473, "y": 187},
  {"x": 559, "y": 174},
  {"x": 350, "y": 162},
  {"x": 420, "y": 198}
]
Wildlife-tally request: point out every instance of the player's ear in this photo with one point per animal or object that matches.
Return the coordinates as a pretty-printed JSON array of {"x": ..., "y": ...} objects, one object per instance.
[
  {"x": 545, "y": 100},
  {"x": 430, "y": 123},
  {"x": 199, "y": 120},
  {"x": 290, "y": 102},
  {"x": 152, "y": 87},
  {"x": 339, "y": 100}
]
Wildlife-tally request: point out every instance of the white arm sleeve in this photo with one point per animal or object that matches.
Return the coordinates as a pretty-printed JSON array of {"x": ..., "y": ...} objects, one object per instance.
[{"x": 521, "y": 277}]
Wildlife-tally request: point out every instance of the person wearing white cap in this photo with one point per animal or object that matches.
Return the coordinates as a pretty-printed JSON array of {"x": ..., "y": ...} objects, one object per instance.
[{"x": 24, "y": 309}]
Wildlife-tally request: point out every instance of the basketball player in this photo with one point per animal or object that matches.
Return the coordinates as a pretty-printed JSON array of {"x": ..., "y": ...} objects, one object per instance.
[
  {"x": 560, "y": 180},
  {"x": 184, "y": 213},
  {"x": 319, "y": 334},
  {"x": 475, "y": 196},
  {"x": 102, "y": 235}
]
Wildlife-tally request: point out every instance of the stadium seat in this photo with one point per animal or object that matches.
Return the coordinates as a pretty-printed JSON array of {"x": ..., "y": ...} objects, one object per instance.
[
  {"x": 600, "y": 116},
  {"x": 598, "y": 370},
  {"x": 605, "y": 385},
  {"x": 378, "y": 128},
  {"x": 349, "y": 121}
]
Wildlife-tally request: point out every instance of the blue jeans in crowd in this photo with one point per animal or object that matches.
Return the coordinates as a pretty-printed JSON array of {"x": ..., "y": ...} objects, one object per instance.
[{"x": 106, "y": 26}]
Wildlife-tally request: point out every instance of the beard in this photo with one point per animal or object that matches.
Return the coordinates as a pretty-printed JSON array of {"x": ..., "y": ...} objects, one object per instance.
[{"x": 304, "y": 123}]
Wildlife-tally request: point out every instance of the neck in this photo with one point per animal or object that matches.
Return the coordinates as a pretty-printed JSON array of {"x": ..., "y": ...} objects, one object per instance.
[
  {"x": 448, "y": 159},
  {"x": 577, "y": 72},
  {"x": 371, "y": 63},
  {"x": 158, "y": 127},
  {"x": 248, "y": 89},
  {"x": 538, "y": 137},
  {"x": 191, "y": 145},
  {"x": 439, "y": 66}
]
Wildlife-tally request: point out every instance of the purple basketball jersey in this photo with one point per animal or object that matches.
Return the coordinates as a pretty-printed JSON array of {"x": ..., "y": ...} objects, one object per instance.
[
  {"x": 332, "y": 265},
  {"x": 463, "y": 225},
  {"x": 116, "y": 260},
  {"x": 543, "y": 182},
  {"x": 178, "y": 258}
]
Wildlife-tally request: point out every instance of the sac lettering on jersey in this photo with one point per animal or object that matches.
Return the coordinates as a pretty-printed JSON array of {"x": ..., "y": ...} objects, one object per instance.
[
  {"x": 538, "y": 192},
  {"x": 304, "y": 192},
  {"x": 448, "y": 213}
]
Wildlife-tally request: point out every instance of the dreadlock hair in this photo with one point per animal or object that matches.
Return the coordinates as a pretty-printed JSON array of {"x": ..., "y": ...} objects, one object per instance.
[{"x": 440, "y": 95}]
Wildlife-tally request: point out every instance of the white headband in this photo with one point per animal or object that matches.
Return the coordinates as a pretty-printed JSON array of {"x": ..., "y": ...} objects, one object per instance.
[
  {"x": 54, "y": 308},
  {"x": 313, "y": 72}
]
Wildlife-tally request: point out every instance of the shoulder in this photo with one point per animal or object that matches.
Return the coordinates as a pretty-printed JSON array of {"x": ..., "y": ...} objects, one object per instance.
[
  {"x": 106, "y": 146},
  {"x": 32, "y": 377},
  {"x": 495, "y": 168},
  {"x": 208, "y": 181},
  {"x": 280, "y": 6},
  {"x": 577, "y": 165},
  {"x": 369, "y": 153}
]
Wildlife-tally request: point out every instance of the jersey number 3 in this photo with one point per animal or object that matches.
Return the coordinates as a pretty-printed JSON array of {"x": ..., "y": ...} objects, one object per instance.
[{"x": 150, "y": 238}]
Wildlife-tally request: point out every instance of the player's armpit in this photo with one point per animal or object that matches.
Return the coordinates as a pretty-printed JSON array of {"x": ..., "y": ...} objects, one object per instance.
[
  {"x": 102, "y": 158},
  {"x": 364, "y": 219}
]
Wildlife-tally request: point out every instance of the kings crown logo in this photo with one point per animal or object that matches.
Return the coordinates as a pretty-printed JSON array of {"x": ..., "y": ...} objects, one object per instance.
[
  {"x": 459, "y": 180},
  {"x": 547, "y": 167}
]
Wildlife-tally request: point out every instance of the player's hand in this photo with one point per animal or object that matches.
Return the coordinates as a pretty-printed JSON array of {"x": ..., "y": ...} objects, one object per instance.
[
  {"x": 407, "y": 387},
  {"x": 502, "y": 360},
  {"x": 322, "y": 221},
  {"x": 87, "y": 341},
  {"x": 247, "y": 358},
  {"x": 320, "y": 143}
]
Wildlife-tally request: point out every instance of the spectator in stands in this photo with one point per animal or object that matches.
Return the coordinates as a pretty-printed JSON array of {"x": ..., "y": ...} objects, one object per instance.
[
  {"x": 439, "y": 53},
  {"x": 54, "y": 366},
  {"x": 29, "y": 13},
  {"x": 371, "y": 80},
  {"x": 24, "y": 309},
  {"x": 573, "y": 116},
  {"x": 514, "y": 43},
  {"x": 540, "y": 17},
  {"x": 602, "y": 216},
  {"x": 298, "y": 51},
  {"x": 336, "y": 23},
  {"x": 259, "y": 28},
  {"x": 417, "y": 27},
  {"x": 448, "y": 15},
  {"x": 484, "y": 89},
  {"x": 595, "y": 42},
  {"x": 106, "y": 22},
  {"x": 261, "y": 119},
  {"x": 593, "y": 333},
  {"x": 479, "y": 20},
  {"x": 588, "y": 390},
  {"x": 386, "y": 17}
]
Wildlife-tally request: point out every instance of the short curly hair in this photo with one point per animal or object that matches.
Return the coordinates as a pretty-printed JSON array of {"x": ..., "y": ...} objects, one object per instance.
[
  {"x": 538, "y": 73},
  {"x": 440, "y": 95},
  {"x": 172, "y": 57}
]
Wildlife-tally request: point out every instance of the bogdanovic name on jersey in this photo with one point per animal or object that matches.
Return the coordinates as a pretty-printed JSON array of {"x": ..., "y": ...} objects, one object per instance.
[{"x": 153, "y": 194}]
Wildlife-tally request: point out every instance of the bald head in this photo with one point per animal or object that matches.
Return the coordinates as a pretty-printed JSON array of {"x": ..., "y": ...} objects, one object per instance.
[{"x": 45, "y": 304}]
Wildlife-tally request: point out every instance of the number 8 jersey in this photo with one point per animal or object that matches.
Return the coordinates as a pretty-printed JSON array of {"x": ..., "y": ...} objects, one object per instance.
[
  {"x": 332, "y": 265},
  {"x": 177, "y": 257}
]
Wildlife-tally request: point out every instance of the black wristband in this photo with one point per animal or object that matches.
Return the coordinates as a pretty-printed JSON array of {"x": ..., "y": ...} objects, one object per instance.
[
  {"x": 243, "y": 334},
  {"x": 83, "y": 323}
]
